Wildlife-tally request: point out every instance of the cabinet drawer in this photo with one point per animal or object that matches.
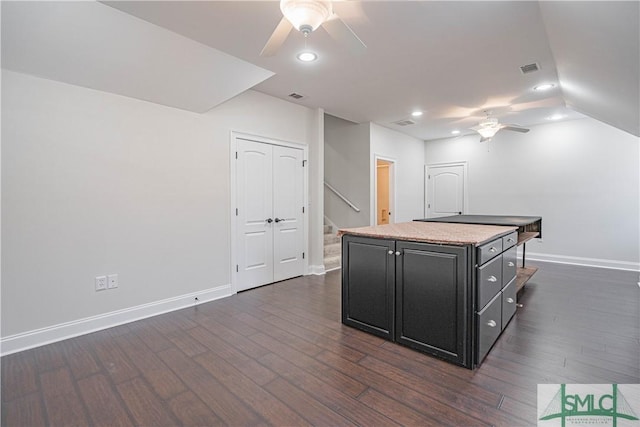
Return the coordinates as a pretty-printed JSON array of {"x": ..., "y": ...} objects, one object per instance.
[
  {"x": 489, "y": 281},
  {"x": 489, "y": 326},
  {"x": 489, "y": 250},
  {"x": 509, "y": 240},
  {"x": 508, "y": 302},
  {"x": 509, "y": 265}
]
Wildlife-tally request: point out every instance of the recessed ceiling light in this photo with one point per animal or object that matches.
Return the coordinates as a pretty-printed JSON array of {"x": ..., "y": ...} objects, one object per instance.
[
  {"x": 455, "y": 132},
  {"x": 556, "y": 117},
  {"x": 307, "y": 56},
  {"x": 544, "y": 86},
  {"x": 416, "y": 113}
]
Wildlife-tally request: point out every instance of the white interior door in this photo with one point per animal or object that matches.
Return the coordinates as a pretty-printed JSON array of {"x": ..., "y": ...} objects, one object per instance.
[
  {"x": 288, "y": 202},
  {"x": 255, "y": 208},
  {"x": 270, "y": 219},
  {"x": 445, "y": 190}
]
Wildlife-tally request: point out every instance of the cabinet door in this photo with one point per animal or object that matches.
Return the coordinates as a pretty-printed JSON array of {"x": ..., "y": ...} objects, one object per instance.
[
  {"x": 367, "y": 284},
  {"x": 431, "y": 296}
]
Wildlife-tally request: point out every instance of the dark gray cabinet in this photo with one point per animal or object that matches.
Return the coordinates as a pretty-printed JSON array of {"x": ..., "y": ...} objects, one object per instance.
[
  {"x": 496, "y": 295},
  {"x": 431, "y": 293},
  {"x": 413, "y": 293},
  {"x": 368, "y": 283},
  {"x": 449, "y": 301}
]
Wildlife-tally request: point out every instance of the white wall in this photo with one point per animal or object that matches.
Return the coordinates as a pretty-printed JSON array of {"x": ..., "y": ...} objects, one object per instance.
[
  {"x": 95, "y": 183},
  {"x": 346, "y": 167},
  {"x": 315, "y": 137},
  {"x": 408, "y": 154},
  {"x": 581, "y": 176}
]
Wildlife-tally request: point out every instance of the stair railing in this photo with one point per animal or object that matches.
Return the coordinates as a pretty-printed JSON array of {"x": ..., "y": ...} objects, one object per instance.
[{"x": 342, "y": 197}]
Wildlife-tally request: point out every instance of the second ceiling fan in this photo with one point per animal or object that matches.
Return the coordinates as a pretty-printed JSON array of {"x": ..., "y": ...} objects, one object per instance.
[
  {"x": 306, "y": 16},
  {"x": 488, "y": 127}
]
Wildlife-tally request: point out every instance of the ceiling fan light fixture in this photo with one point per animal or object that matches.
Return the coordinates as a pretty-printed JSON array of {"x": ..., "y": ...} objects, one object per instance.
[
  {"x": 488, "y": 131},
  {"x": 307, "y": 56},
  {"x": 543, "y": 87},
  {"x": 306, "y": 15}
]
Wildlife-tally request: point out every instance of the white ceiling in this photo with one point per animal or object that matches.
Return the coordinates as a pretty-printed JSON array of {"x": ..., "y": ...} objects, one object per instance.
[
  {"x": 450, "y": 59},
  {"x": 89, "y": 44}
]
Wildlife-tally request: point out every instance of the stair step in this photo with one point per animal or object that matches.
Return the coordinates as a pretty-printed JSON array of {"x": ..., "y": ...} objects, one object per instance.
[
  {"x": 331, "y": 238},
  {"x": 331, "y": 263},
  {"x": 332, "y": 249},
  {"x": 328, "y": 229}
]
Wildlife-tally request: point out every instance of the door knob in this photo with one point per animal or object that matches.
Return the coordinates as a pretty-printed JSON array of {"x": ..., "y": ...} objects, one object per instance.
[
  {"x": 269, "y": 220},
  {"x": 279, "y": 220}
]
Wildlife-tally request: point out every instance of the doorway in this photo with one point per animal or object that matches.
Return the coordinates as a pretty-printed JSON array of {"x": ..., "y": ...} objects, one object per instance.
[
  {"x": 385, "y": 197},
  {"x": 269, "y": 218},
  {"x": 446, "y": 189}
]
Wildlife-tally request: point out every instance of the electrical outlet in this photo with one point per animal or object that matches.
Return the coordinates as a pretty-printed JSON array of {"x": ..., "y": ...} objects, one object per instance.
[
  {"x": 112, "y": 281},
  {"x": 101, "y": 283}
]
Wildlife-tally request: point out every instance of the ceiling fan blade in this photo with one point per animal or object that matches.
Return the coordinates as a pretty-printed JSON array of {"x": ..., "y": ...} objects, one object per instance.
[
  {"x": 343, "y": 34},
  {"x": 277, "y": 38},
  {"x": 515, "y": 128}
]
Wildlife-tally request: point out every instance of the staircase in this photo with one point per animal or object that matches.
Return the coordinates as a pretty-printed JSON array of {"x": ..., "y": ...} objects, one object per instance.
[{"x": 332, "y": 249}]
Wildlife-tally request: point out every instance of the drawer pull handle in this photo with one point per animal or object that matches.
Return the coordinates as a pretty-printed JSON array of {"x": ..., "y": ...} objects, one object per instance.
[
  {"x": 492, "y": 249},
  {"x": 511, "y": 264},
  {"x": 390, "y": 252},
  {"x": 492, "y": 323},
  {"x": 398, "y": 253},
  {"x": 510, "y": 240},
  {"x": 510, "y": 300},
  {"x": 492, "y": 279}
]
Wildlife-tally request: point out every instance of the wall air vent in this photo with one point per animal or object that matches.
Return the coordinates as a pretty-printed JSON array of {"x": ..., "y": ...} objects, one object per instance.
[
  {"x": 295, "y": 95},
  {"x": 404, "y": 122},
  {"x": 529, "y": 68}
]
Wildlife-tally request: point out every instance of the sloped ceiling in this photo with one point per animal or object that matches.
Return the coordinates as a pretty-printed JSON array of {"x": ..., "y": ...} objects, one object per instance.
[
  {"x": 451, "y": 59},
  {"x": 596, "y": 50},
  {"x": 92, "y": 45}
]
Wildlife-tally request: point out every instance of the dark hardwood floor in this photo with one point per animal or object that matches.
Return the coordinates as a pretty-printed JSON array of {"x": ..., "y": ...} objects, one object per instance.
[{"x": 278, "y": 355}]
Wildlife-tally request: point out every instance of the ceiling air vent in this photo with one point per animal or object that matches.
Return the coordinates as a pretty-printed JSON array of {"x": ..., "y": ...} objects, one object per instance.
[
  {"x": 295, "y": 95},
  {"x": 529, "y": 68},
  {"x": 404, "y": 122}
]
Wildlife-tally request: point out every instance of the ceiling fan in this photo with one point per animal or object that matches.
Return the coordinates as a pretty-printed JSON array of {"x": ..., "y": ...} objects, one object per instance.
[
  {"x": 488, "y": 127},
  {"x": 306, "y": 16}
]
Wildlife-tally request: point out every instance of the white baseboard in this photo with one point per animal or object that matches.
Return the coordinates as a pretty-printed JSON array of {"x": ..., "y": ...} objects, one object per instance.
[
  {"x": 50, "y": 334},
  {"x": 317, "y": 270},
  {"x": 589, "y": 262}
]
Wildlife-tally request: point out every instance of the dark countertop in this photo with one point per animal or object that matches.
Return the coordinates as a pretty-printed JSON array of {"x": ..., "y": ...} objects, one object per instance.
[{"x": 517, "y": 221}]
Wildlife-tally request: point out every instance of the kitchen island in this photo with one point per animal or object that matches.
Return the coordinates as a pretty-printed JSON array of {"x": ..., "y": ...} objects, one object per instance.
[{"x": 444, "y": 289}]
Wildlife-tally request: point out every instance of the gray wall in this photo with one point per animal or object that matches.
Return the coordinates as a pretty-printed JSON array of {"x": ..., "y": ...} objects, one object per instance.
[
  {"x": 407, "y": 153},
  {"x": 95, "y": 183},
  {"x": 581, "y": 176},
  {"x": 346, "y": 168}
]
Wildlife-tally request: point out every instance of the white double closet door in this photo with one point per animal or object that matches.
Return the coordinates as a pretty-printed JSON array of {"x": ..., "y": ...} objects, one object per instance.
[{"x": 270, "y": 218}]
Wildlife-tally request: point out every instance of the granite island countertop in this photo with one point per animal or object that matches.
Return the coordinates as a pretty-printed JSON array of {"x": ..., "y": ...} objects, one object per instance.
[{"x": 432, "y": 232}]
